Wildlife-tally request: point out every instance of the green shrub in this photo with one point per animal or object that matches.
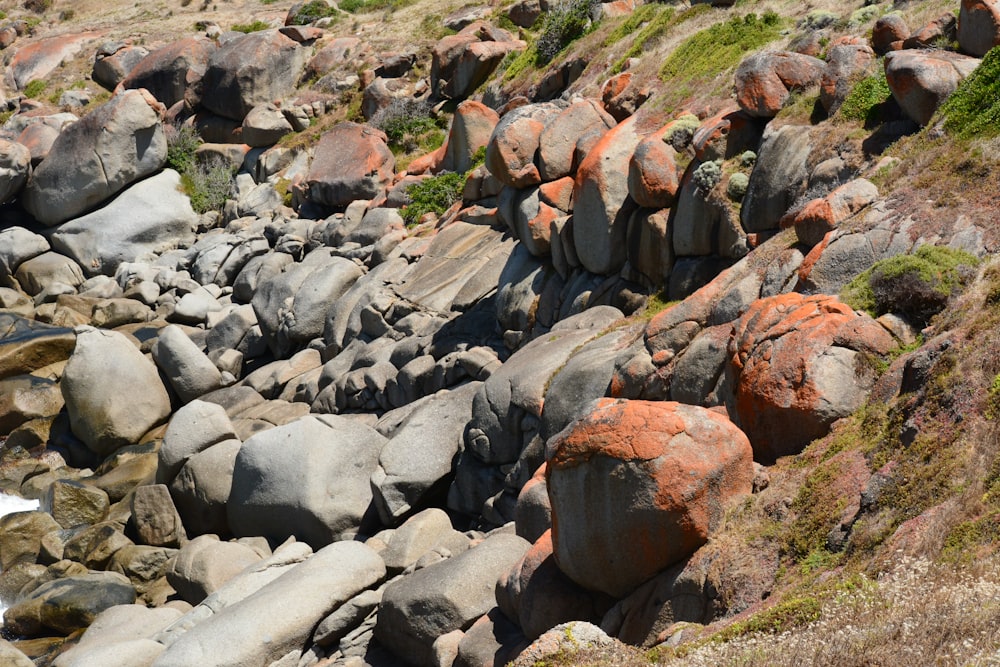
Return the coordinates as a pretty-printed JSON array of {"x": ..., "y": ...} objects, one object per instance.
[
  {"x": 208, "y": 185},
  {"x": 712, "y": 51},
  {"x": 313, "y": 11},
  {"x": 254, "y": 26},
  {"x": 707, "y": 176},
  {"x": 737, "y": 188},
  {"x": 973, "y": 110},
  {"x": 917, "y": 286},
  {"x": 565, "y": 22},
  {"x": 864, "y": 102},
  {"x": 409, "y": 125},
  {"x": 514, "y": 63},
  {"x": 435, "y": 194},
  {"x": 355, "y": 6},
  {"x": 35, "y": 88},
  {"x": 182, "y": 142}
]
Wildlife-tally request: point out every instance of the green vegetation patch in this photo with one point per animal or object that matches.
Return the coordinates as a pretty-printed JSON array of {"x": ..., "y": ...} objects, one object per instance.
[
  {"x": 253, "y": 26},
  {"x": 973, "y": 110},
  {"x": 917, "y": 286},
  {"x": 433, "y": 195},
  {"x": 357, "y": 6},
  {"x": 208, "y": 186},
  {"x": 634, "y": 21},
  {"x": 864, "y": 102},
  {"x": 563, "y": 24},
  {"x": 313, "y": 11},
  {"x": 35, "y": 88},
  {"x": 717, "y": 49}
]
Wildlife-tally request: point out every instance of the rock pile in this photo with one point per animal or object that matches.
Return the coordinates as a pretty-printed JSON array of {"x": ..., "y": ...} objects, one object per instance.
[{"x": 311, "y": 434}]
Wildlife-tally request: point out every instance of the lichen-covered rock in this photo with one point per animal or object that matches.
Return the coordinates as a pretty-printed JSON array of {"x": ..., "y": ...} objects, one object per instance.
[
  {"x": 174, "y": 72},
  {"x": 821, "y": 216},
  {"x": 979, "y": 26},
  {"x": 889, "y": 33},
  {"x": 798, "y": 365},
  {"x": 845, "y": 64},
  {"x": 637, "y": 486},
  {"x": 765, "y": 81},
  {"x": 461, "y": 62},
  {"x": 921, "y": 80},
  {"x": 352, "y": 162},
  {"x": 601, "y": 210}
]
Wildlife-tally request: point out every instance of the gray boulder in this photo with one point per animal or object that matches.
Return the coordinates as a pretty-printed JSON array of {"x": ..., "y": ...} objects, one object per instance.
[
  {"x": 108, "y": 415},
  {"x": 190, "y": 372},
  {"x": 202, "y": 488},
  {"x": 309, "y": 478},
  {"x": 778, "y": 179},
  {"x": 419, "y": 455},
  {"x": 110, "y": 148},
  {"x": 155, "y": 516},
  {"x": 204, "y": 564},
  {"x": 147, "y": 218},
  {"x": 49, "y": 268},
  {"x": 15, "y": 161},
  {"x": 253, "y": 69},
  {"x": 291, "y": 307},
  {"x": 120, "y": 636},
  {"x": 443, "y": 597},
  {"x": 195, "y": 427},
  {"x": 281, "y": 616},
  {"x": 174, "y": 72}
]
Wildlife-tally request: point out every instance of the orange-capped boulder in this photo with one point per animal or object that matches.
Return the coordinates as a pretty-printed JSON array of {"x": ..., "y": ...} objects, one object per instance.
[
  {"x": 798, "y": 365},
  {"x": 352, "y": 162},
  {"x": 765, "y": 81},
  {"x": 637, "y": 486},
  {"x": 979, "y": 26}
]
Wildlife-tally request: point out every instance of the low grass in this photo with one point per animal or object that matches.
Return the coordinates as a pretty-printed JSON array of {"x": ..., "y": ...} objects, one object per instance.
[{"x": 705, "y": 56}]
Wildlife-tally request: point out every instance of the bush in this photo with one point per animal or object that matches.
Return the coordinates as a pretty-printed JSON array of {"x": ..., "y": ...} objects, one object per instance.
[
  {"x": 182, "y": 142},
  {"x": 707, "y": 176},
  {"x": 255, "y": 26},
  {"x": 565, "y": 22},
  {"x": 917, "y": 286},
  {"x": 407, "y": 124},
  {"x": 208, "y": 185},
  {"x": 737, "y": 188},
  {"x": 312, "y": 12},
  {"x": 435, "y": 194},
  {"x": 712, "y": 51},
  {"x": 973, "y": 110},
  {"x": 864, "y": 102}
]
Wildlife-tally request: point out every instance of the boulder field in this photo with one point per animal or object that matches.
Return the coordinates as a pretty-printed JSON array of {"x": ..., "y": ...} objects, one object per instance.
[{"x": 304, "y": 429}]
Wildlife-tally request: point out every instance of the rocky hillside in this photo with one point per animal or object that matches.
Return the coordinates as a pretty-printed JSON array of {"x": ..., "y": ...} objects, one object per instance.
[{"x": 411, "y": 332}]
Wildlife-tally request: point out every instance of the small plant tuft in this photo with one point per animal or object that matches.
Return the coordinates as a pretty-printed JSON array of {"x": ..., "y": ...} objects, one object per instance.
[
  {"x": 312, "y": 11},
  {"x": 707, "y": 176}
]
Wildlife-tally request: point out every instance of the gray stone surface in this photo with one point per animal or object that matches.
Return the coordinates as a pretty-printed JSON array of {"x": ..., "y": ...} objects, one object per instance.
[
  {"x": 148, "y": 217},
  {"x": 309, "y": 479}
]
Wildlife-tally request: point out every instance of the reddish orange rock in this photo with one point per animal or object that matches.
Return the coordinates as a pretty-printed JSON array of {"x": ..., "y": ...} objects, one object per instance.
[
  {"x": 765, "y": 81},
  {"x": 637, "y": 486},
  {"x": 798, "y": 365}
]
